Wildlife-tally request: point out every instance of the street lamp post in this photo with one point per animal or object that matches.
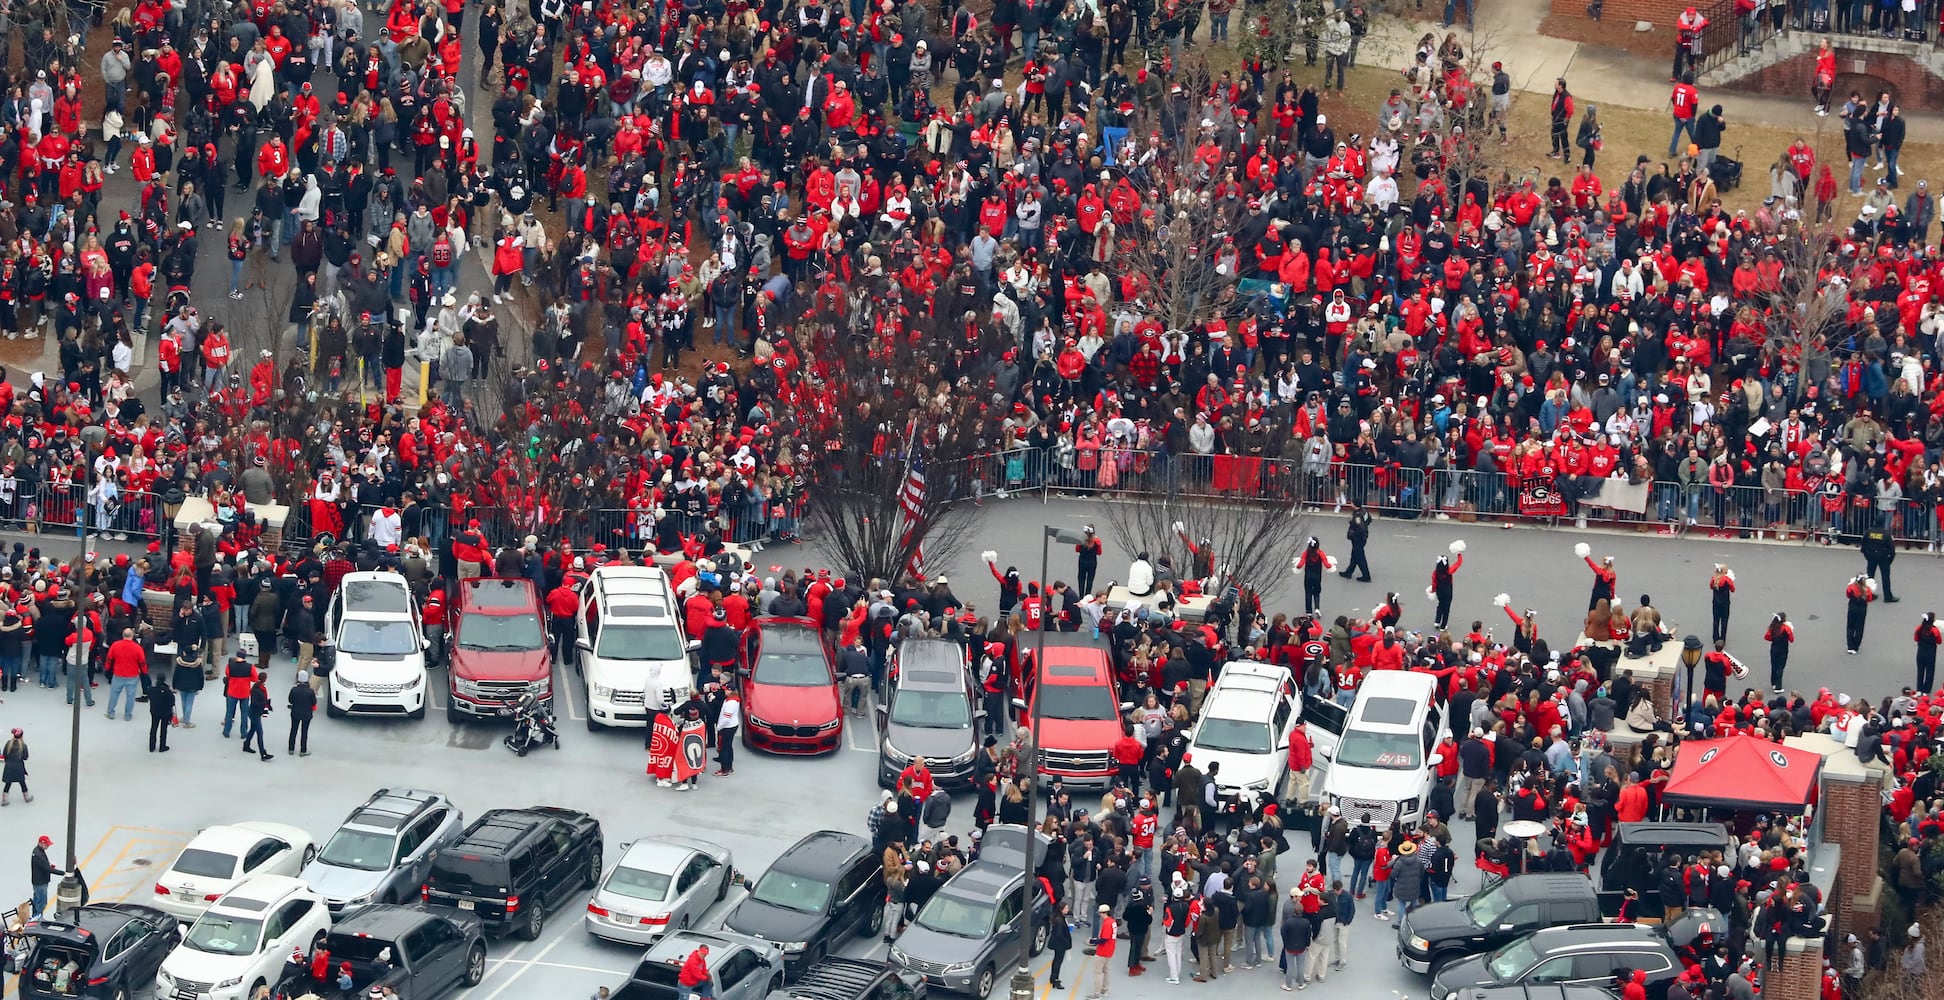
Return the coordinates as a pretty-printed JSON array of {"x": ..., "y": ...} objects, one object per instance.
[
  {"x": 67, "y": 895},
  {"x": 1690, "y": 658},
  {"x": 1022, "y": 980}
]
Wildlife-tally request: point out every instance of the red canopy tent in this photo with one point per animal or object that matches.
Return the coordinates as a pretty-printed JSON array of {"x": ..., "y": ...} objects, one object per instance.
[{"x": 1742, "y": 772}]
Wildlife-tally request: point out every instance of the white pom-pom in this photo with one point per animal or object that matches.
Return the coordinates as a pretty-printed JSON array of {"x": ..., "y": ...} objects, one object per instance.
[
  {"x": 1329, "y": 562},
  {"x": 1296, "y": 565},
  {"x": 1503, "y": 600},
  {"x": 1582, "y": 550},
  {"x": 1430, "y": 595},
  {"x": 1458, "y": 547},
  {"x": 1730, "y": 574},
  {"x": 1870, "y": 584},
  {"x": 1180, "y": 529},
  {"x": 989, "y": 556}
]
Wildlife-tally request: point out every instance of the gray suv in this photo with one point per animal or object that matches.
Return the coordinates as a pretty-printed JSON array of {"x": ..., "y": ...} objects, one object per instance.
[
  {"x": 971, "y": 930},
  {"x": 382, "y": 851},
  {"x": 932, "y": 712}
]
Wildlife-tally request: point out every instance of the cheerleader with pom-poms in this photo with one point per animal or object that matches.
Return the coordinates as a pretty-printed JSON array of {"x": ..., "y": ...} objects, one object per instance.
[
  {"x": 1606, "y": 580},
  {"x": 1441, "y": 580},
  {"x": 1312, "y": 563}
]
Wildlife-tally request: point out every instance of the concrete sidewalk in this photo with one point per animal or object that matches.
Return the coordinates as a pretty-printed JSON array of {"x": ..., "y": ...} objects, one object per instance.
[{"x": 1507, "y": 31}]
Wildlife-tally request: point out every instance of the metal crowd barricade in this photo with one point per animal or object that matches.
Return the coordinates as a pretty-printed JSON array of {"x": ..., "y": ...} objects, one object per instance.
[{"x": 46, "y": 510}]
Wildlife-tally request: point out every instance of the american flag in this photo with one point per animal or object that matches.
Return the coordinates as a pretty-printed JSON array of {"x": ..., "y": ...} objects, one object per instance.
[{"x": 911, "y": 501}]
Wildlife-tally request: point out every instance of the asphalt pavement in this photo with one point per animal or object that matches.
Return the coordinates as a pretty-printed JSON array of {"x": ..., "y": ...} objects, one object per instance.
[{"x": 137, "y": 809}]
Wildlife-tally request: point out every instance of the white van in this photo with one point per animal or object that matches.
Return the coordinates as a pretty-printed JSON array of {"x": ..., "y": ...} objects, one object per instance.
[
  {"x": 380, "y": 664},
  {"x": 1383, "y": 763},
  {"x": 1244, "y": 726},
  {"x": 630, "y": 643}
]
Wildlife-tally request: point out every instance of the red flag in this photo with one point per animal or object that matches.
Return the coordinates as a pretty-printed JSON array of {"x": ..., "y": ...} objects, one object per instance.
[{"x": 691, "y": 750}]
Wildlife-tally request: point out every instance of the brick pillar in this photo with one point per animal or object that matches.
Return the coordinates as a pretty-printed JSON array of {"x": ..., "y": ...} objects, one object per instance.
[
  {"x": 1800, "y": 977},
  {"x": 1852, "y": 809},
  {"x": 1662, "y": 685}
]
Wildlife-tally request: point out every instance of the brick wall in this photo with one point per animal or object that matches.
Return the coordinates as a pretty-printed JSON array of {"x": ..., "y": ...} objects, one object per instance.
[
  {"x": 1624, "y": 12},
  {"x": 1852, "y": 811},
  {"x": 1910, "y": 83},
  {"x": 1800, "y": 977}
]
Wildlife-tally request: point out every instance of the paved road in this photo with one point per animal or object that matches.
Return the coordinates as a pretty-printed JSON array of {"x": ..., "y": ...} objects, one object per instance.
[{"x": 1537, "y": 568}]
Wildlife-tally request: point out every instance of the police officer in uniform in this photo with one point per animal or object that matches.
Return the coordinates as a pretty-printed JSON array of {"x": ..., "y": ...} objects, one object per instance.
[
  {"x": 1879, "y": 551},
  {"x": 1359, "y": 535}
]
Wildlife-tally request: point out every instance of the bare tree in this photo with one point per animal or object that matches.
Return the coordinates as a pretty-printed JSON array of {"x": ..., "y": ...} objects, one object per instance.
[
  {"x": 892, "y": 424},
  {"x": 1250, "y": 543}
]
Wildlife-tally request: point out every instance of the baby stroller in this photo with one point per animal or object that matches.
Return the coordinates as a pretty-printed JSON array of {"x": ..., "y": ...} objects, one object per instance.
[{"x": 1726, "y": 171}]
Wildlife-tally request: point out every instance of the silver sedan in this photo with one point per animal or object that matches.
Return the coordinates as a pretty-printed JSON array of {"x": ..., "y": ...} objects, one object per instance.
[{"x": 658, "y": 885}]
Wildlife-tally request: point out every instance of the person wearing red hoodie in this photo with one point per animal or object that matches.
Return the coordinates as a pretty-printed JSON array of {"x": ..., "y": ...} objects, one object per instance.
[{"x": 694, "y": 977}]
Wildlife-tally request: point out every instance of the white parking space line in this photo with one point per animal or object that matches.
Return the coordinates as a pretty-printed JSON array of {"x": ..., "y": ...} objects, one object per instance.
[
  {"x": 856, "y": 729},
  {"x": 623, "y": 973},
  {"x": 569, "y": 693},
  {"x": 524, "y": 966}
]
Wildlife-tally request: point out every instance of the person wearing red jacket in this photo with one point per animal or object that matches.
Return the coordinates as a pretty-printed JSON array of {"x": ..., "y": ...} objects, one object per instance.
[
  {"x": 694, "y": 977},
  {"x": 1301, "y": 757},
  {"x": 563, "y": 609},
  {"x": 127, "y": 662}
]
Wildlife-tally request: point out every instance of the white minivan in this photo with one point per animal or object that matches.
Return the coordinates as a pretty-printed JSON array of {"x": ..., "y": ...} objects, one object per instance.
[
  {"x": 1383, "y": 762},
  {"x": 380, "y": 663},
  {"x": 631, "y": 650}
]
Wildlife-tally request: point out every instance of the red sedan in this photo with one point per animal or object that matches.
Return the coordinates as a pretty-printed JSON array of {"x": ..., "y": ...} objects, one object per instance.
[{"x": 790, "y": 698}]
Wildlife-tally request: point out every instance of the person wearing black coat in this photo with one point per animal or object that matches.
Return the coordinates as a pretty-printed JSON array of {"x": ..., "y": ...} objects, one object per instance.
[
  {"x": 259, "y": 707},
  {"x": 1059, "y": 940},
  {"x": 1295, "y": 943},
  {"x": 302, "y": 703},
  {"x": 162, "y": 703}
]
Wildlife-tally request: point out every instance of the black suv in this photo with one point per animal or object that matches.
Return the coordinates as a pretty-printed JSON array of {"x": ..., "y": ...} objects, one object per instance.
[
  {"x": 512, "y": 865},
  {"x": 1436, "y": 933},
  {"x": 1583, "y": 955},
  {"x": 825, "y": 886}
]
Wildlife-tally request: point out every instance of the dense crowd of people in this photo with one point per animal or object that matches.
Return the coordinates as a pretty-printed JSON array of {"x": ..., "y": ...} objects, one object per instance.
[{"x": 806, "y": 193}]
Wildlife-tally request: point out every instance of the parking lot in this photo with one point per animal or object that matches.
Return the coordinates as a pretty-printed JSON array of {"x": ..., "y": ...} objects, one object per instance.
[{"x": 138, "y": 810}]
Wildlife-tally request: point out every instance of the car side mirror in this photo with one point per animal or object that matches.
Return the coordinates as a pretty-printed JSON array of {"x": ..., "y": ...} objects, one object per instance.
[
  {"x": 1019, "y": 703},
  {"x": 1127, "y": 706},
  {"x": 1435, "y": 759},
  {"x": 584, "y": 644},
  {"x": 693, "y": 645}
]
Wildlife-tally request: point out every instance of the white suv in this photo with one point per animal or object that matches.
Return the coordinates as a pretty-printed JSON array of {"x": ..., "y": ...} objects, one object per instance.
[
  {"x": 631, "y": 650},
  {"x": 243, "y": 940},
  {"x": 380, "y": 667},
  {"x": 1244, "y": 726},
  {"x": 1384, "y": 764}
]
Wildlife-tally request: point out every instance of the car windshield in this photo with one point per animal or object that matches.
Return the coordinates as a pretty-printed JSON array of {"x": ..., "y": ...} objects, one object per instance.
[
  {"x": 792, "y": 669},
  {"x": 1388, "y": 751},
  {"x": 223, "y": 934},
  {"x": 792, "y": 892},
  {"x": 208, "y": 864},
  {"x": 957, "y": 916},
  {"x": 1076, "y": 701},
  {"x": 377, "y": 638},
  {"x": 1510, "y": 961},
  {"x": 1488, "y": 906},
  {"x": 638, "y": 883},
  {"x": 1234, "y": 734},
  {"x": 500, "y": 632},
  {"x": 376, "y": 597},
  {"x": 364, "y": 850},
  {"x": 931, "y": 710},
  {"x": 639, "y": 642}
]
